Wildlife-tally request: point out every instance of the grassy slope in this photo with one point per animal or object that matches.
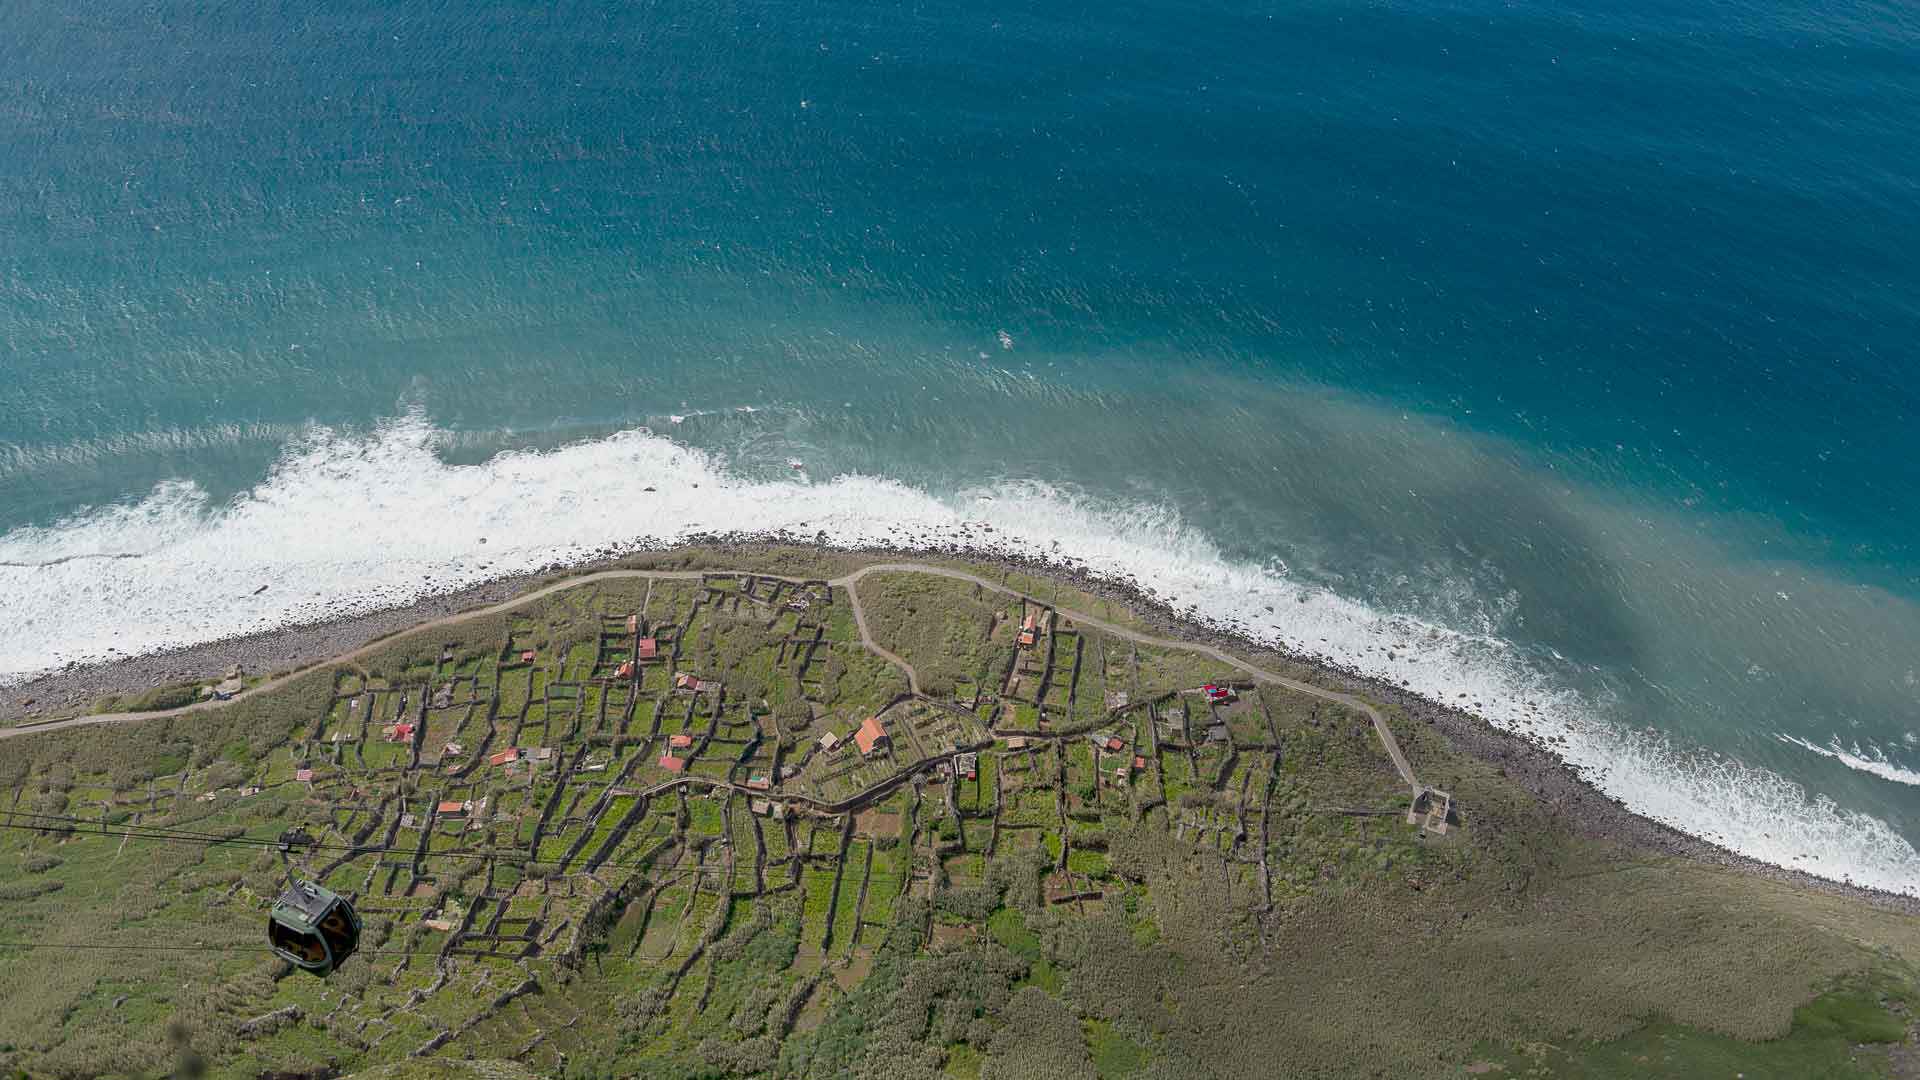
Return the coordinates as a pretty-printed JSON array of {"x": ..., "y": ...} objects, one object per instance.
[{"x": 1510, "y": 943}]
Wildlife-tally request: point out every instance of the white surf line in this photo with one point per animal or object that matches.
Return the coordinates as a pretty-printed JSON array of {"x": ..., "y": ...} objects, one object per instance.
[
  {"x": 847, "y": 582},
  {"x": 1885, "y": 770}
]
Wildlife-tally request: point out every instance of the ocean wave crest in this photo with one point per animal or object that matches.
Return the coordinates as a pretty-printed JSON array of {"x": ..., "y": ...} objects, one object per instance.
[{"x": 1871, "y": 760}]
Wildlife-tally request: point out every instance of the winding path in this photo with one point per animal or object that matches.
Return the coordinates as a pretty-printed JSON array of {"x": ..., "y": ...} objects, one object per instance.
[
  {"x": 849, "y": 583},
  {"x": 866, "y": 639}
]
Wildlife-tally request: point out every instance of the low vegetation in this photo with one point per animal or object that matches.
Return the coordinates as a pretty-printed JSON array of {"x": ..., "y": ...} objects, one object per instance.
[{"x": 1233, "y": 892}]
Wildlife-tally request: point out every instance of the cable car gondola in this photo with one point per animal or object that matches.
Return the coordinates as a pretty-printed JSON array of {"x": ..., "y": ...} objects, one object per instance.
[{"x": 311, "y": 927}]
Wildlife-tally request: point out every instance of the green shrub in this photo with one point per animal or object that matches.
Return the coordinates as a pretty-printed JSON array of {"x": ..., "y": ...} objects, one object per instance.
[
  {"x": 27, "y": 890},
  {"x": 162, "y": 698}
]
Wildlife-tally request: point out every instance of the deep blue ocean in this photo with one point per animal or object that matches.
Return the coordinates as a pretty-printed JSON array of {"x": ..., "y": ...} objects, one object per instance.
[{"x": 1556, "y": 359}]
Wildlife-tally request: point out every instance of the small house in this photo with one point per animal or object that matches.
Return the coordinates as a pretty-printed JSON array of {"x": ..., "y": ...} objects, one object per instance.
[
  {"x": 544, "y": 753},
  {"x": 1218, "y": 695},
  {"x": 680, "y": 741},
  {"x": 758, "y": 783},
  {"x": 452, "y": 749},
  {"x": 871, "y": 735},
  {"x": 454, "y": 809},
  {"x": 673, "y": 764},
  {"x": 527, "y": 657},
  {"x": 304, "y": 776},
  {"x": 624, "y": 671},
  {"x": 762, "y": 807},
  {"x": 1114, "y": 744},
  {"x": 685, "y": 680},
  {"x": 633, "y": 624},
  {"x": 1139, "y": 763},
  {"x": 649, "y": 648},
  {"x": 402, "y": 732},
  {"x": 505, "y": 757},
  {"x": 408, "y": 821},
  {"x": 1017, "y": 742},
  {"x": 829, "y": 741}
]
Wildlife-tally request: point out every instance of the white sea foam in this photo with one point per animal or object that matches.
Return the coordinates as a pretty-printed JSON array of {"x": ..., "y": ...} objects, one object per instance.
[
  {"x": 1870, "y": 760},
  {"x": 346, "y": 524}
]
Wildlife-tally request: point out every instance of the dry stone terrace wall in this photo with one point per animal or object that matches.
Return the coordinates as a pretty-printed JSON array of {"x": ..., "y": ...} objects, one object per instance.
[{"x": 617, "y": 775}]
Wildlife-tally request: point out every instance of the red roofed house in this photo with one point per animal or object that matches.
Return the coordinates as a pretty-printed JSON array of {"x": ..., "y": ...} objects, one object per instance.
[
  {"x": 649, "y": 648},
  {"x": 452, "y": 809},
  {"x": 1139, "y": 762},
  {"x": 680, "y": 741},
  {"x": 870, "y": 735},
  {"x": 304, "y": 776},
  {"x": 683, "y": 680},
  {"x": 673, "y": 764},
  {"x": 527, "y": 657},
  {"x": 1114, "y": 743},
  {"x": 399, "y": 733},
  {"x": 505, "y": 757},
  {"x": 624, "y": 671}
]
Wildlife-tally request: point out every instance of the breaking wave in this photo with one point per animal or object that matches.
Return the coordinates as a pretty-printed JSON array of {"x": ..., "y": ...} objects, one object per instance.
[
  {"x": 347, "y": 524},
  {"x": 1871, "y": 761}
]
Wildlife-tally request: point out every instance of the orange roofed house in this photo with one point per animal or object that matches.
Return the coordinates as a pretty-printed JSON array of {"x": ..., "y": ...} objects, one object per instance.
[
  {"x": 673, "y": 764},
  {"x": 649, "y": 648},
  {"x": 870, "y": 735},
  {"x": 505, "y": 757}
]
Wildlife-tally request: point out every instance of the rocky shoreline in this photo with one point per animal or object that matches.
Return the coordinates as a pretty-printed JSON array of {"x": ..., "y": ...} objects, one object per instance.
[{"x": 1583, "y": 807}]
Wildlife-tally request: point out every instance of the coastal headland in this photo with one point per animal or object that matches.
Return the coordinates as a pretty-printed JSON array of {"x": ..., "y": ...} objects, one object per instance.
[
  {"x": 742, "y": 807},
  {"x": 74, "y": 696}
]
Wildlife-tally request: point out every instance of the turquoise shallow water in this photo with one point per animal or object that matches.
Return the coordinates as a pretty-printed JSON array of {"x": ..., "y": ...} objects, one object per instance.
[{"x": 1562, "y": 352}]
